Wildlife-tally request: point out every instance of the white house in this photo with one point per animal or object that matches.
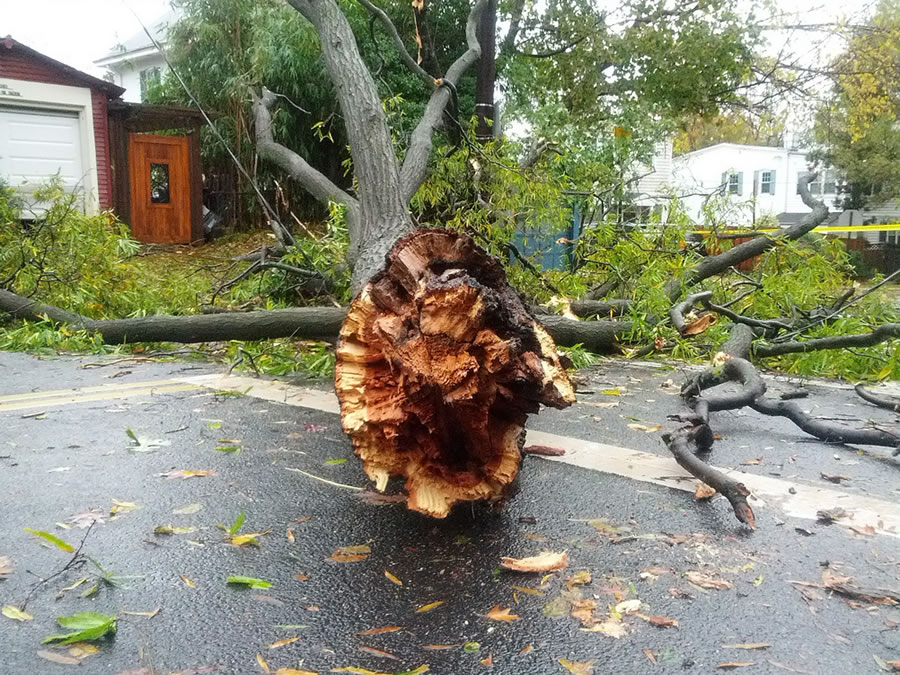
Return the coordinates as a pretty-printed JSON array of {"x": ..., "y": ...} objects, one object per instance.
[
  {"x": 136, "y": 64},
  {"x": 756, "y": 180}
]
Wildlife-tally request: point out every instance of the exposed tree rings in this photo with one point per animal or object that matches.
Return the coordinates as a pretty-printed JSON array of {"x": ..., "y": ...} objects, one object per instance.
[{"x": 439, "y": 363}]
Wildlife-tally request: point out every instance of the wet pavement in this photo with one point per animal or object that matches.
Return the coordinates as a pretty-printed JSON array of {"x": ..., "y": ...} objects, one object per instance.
[{"x": 64, "y": 456}]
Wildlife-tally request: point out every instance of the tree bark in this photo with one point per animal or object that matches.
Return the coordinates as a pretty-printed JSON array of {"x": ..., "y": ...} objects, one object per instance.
[
  {"x": 487, "y": 74},
  {"x": 303, "y": 323},
  {"x": 384, "y": 217}
]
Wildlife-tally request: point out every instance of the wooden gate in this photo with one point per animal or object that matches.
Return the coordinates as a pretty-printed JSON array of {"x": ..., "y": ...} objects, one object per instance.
[{"x": 160, "y": 179}]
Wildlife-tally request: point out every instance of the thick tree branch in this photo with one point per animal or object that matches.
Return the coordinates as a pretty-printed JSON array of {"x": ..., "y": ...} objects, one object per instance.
[
  {"x": 311, "y": 323},
  {"x": 734, "y": 491},
  {"x": 883, "y": 333},
  {"x": 312, "y": 180},
  {"x": 415, "y": 164}
]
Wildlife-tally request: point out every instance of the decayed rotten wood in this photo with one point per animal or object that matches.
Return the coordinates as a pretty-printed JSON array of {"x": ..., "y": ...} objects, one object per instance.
[{"x": 438, "y": 365}]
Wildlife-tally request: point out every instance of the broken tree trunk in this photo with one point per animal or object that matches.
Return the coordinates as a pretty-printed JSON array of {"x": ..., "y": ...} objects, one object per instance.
[{"x": 438, "y": 366}]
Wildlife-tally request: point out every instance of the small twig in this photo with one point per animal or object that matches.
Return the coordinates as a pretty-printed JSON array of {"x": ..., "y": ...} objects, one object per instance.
[
  {"x": 76, "y": 559},
  {"x": 839, "y": 309},
  {"x": 324, "y": 480}
]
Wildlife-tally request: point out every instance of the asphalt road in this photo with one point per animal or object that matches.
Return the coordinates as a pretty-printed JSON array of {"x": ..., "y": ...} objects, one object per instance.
[{"x": 65, "y": 458}]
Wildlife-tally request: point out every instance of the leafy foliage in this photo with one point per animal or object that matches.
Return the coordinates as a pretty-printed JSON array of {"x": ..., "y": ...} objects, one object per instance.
[
  {"x": 857, "y": 127},
  {"x": 87, "y": 626}
]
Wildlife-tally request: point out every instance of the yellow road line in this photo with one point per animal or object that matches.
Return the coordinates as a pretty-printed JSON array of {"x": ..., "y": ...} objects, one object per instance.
[
  {"x": 59, "y": 398},
  {"x": 820, "y": 228},
  {"x": 119, "y": 386}
]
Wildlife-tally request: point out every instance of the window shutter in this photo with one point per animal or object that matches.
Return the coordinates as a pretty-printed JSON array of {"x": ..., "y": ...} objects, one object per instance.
[
  {"x": 740, "y": 183},
  {"x": 772, "y": 182}
]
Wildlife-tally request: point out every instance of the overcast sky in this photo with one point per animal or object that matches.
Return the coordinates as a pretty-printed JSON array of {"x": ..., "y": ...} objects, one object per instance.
[{"x": 76, "y": 32}]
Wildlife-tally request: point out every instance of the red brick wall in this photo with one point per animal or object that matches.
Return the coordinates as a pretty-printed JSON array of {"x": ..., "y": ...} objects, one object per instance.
[{"x": 17, "y": 66}]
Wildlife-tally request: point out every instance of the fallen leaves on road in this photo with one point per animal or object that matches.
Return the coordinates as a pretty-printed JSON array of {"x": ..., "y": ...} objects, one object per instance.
[
  {"x": 188, "y": 473},
  {"x": 583, "y": 610},
  {"x": 295, "y": 671},
  {"x": 58, "y": 657},
  {"x": 393, "y": 579},
  {"x": 439, "y": 647},
  {"x": 546, "y": 561},
  {"x": 707, "y": 581},
  {"x": 6, "y": 566},
  {"x": 378, "y": 652},
  {"x": 496, "y": 613},
  {"x": 887, "y": 666},
  {"x": 349, "y": 554},
  {"x": 365, "y": 671},
  {"x": 171, "y": 529},
  {"x": 379, "y": 631},
  {"x": 86, "y": 626},
  {"x": 121, "y": 507},
  {"x": 735, "y": 664},
  {"x": 282, "y": 642},
  {"x": 53, "y": 539},
  {"x": 250, "y": 582},
  {"x": 660, "y": 621},
  {"x": 86, "y": 519},
  {"x": 528, "y": 591},
  {"x": 748, "y": 645},
  {"x": 188, "y": 509},
  {"x": 430, "y": 606},
  {"x": 13, "y": 612},
  {"x": 578, "y": 667},
  {"x": 187, "y": 581},
  {"x": 645, "y": 428},
  {"x": 247, "y": 539},
  {"x": 149, "y": 615}
]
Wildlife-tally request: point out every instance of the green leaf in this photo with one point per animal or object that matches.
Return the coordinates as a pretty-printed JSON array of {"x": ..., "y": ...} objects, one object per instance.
[
  {"x": 236, "y": 525},
  {"x": 336, "y": 461},
  {"x": 228, "y": 448},
  {"x": 251, "y": 582},
  {"x": 85, "y": 626},
  {"x": 53, "y": 539},
  {"x": 132, "y": 435}
]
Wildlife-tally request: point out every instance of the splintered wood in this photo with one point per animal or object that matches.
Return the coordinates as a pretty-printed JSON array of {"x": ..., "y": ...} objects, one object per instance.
[{"x": 438, "y": 366}]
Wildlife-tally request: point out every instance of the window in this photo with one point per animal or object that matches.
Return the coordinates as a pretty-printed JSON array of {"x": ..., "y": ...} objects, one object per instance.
[
  {"x": 824, "y": 184},
  {"x": 149, "y": 78},
  {"x": 159, "y": 183},
  {"x": 732, "y": 183},
  {"x": 767, "y": 182}
]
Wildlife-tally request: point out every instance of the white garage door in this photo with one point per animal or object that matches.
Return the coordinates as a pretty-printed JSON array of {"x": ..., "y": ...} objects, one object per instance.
[{"x": 38, "y": 144}]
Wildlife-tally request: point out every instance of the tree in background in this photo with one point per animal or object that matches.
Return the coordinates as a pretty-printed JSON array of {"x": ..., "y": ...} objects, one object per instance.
[
  {"x": 701, "y": 131},
  {"x": 858, "y": 126}
]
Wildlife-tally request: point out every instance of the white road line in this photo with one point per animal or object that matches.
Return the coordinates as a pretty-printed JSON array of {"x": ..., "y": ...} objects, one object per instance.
[{"x": 797, "y": 500}]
